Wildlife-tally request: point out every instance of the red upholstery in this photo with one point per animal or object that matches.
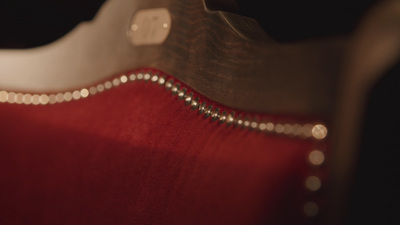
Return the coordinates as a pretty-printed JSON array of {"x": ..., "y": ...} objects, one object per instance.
[{"x": 136, "y": 154}]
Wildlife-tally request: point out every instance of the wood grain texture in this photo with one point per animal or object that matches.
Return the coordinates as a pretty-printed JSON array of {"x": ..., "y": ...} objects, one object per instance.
[{"x": 223, "y": 57}]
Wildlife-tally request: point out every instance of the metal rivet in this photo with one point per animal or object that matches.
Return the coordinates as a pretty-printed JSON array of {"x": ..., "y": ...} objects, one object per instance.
[
  {"x": 44, "y": 99},
  {"x": 116, "y": 82},
  {"x": 279, "y": 128},
  {"x": 11, "y": 97},
  {"x": 154, "y": 78},
  {"x": 27, "y": 99},
  {"x": 246, "y": 122},
  {"x": 311, "y": 209},
  {"x": 139, "y": 76},
  {"x": 76, "y": 95},
  {"x": 84, "y": 93},
  {"x": 93, "y": 90},
  {"x": 287, "y": 129},
  {"x": 52, "y": 99},
  {"x": 19, "y": 98},
  {"x": 319, "y": 131},
  {"x": 316, "y": 157},
  {"x": 169, "y": 84},
  {"x": 297, "y": 129},
  {"x": 313, "y": 183},
  {"x": 175, "y": 88},
  {"x": 230, "y": 119},
  {"x": 108, "y": 85},
  {"x": 239, "y": 121},
  {"x": 188, "y": 99},
  {"x": 146, "y": 77},
  {"x": 254, "y": 125},
  {"x": 194, "y": 104},
  {"x": 100, "y": 88},
  {"x": 215, "y": 115},
  {"x": 222, "y": 117},
  {"x": 68, "y": 96},
  {"x": 270, "y": 127},
  {"x": 123, "y": 79},
  {"x": 208, "y": 111},
  {"x": 182, "y": 93},
  {"x": 36, "y": 99},
  {"x": 161, "y": 81},
  {"x": 202, "y": 108},
  {"x": 59, "y": 97},
  {"x": 262, "y": 127},
  {"x": 132, "y": 77},
  {"x": 3, "y": 96}
]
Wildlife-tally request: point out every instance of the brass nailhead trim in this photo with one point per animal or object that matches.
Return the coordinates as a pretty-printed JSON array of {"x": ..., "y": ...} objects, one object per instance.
[{"x": 316, "y": 131}]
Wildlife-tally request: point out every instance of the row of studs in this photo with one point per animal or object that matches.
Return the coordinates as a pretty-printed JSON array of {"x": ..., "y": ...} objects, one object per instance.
[
  {"x": 318, "y": 131},
  {"x": 313, "y": 183}
]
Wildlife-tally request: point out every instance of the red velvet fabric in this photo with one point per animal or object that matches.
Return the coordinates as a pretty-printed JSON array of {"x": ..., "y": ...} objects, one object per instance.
[{"x": 135, "y": 154}]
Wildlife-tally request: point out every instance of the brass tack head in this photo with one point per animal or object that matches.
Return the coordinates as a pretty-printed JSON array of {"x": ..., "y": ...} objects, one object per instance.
[
  {"x": 11, "y": 97},
  {"x": 297, "y": 129},
  {"x": 208, "y": 111},
  {"x": 239, "y": 121},
  {"x": 194, "y": 104},
  {"x": 182, "y": 93},
  {"x": 169, "y": 84},
  {"x": 84, "y": 93},
  {"x": 311, "y": 209},
  {"x": 161, "y": 81},
  {"x": 123, "y": 79},
  {"x": 188, "y": 99},
  {"x": 3, "y": 96},
  {"x": 59, "y": 97},
  {"x": 76, "y": 95},
  {"x": 246, "y": 122},
  {"x": 108, "y": 85},
  {"x": 222, "y": 117},
  {"x": 44, "y": 99},
  {"x": 68, "y": 96},
  {"x": 254, "y": 125},
  {"x": 287, "y": 129},
  {"x": 319, "y": 131},
  {"x": 116, "y": 82},
  {"x": 215, "y": 115},
  {"x": 52, "y": 99},
  {"x": 313, "y": 183},
  {"x": 140, "y": 76},
  {"x": 132, "y": 77},
  {"x": 36, "y": 99},
  {"x": 19, "y": 98},
  {"x": 27, "y": 99},
  {"x": 154, "y": 78},
  {"x": 262, "y": 127},
  {"x": 175, "y": 88},
  {"x": 279, "y": 128},
  {"x": 146, "y": 76},
  {"x": 93, "y": 90},
  {"x": 270, "y": 127},
  {"x": 100, "y": 88},
  {"x": 202, "y": 108},
  {"x": 316, "y": 157},
  {"x": 230, "y": 119}
]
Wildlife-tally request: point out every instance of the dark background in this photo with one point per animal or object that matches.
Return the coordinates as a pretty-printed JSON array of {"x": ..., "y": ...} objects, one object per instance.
[
  {"x": 31, "y": 23},
  {"x": 375, "y": 197}
]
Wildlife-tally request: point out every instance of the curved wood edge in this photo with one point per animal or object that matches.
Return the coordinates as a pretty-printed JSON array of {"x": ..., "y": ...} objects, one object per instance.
[{"x": 375, "y": 47}]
